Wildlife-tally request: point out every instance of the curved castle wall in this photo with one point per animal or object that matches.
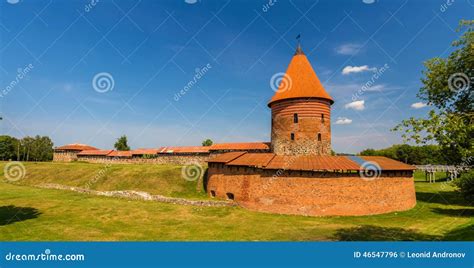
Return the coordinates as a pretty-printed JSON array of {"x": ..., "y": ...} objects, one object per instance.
[
  {"x": 310, "y": 193},
  {"x": 311, "y": 133}
]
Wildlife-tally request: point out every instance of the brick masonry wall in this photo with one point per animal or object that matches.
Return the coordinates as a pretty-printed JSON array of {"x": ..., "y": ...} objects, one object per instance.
[
  {"x": 173, "y": 159},
  {"x": 310, "y": 124},
  {"x": 64, "y": 156},
  {"x": 306, "y": 194}
]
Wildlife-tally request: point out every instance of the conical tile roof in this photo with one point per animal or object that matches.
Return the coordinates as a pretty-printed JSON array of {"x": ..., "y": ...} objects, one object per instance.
[{"x": 300, "y": 81}]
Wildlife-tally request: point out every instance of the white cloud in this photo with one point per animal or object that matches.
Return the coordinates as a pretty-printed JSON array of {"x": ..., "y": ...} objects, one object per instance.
[
  {"x": 418, "y": 105},
  {"x": 375, "y": 88},
  {"x": 348, "y": 49},
  {"x": 356, "y": 105},
  {"x": 343, "y": 121},
  {"x": 357, "y": 69}
]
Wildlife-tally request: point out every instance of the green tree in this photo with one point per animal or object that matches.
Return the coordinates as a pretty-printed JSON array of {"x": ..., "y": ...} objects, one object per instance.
[
  {"x": 207, "y": 142},
  {"x": 416, "y": 155},
  {"x": 122, "y": 144},
  {"x": 7, "y": 147},
  {"x": 42, "y": 148},
  {"x": 466, "y": 185},
  {"x": 447, "y": 87},
  {"x": 369, "y": 152}
]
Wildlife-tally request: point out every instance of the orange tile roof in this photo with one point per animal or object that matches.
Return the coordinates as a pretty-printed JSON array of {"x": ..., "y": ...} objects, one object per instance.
[
  {"x": 300, "y": 81},
  {"x": 253, "y": 160},
  {"x": 184, "y": 149},
  {"x": 315, "y": 163},
  {"x": 95, "y": 152},
  {"x": 120, "y": 154},
  {"x": 241, "y": 146},
  {"x": 226, "y": 157},
  {"x": 307, "y": 163},
  {"x": 143, "y": 151},
  {"x": 387, "y": 163},
  {"x": 76, "y": 147}
]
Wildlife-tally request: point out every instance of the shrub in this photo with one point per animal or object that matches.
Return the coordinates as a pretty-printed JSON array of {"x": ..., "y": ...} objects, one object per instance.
[{"x": 465, "y": 183}]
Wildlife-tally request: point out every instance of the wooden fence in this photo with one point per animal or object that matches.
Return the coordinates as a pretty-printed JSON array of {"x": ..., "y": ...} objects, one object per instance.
[{"x": 452, "y": 172}]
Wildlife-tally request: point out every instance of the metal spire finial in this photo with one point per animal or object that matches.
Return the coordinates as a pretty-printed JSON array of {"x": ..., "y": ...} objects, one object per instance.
[{"x": 299, "y": 51}]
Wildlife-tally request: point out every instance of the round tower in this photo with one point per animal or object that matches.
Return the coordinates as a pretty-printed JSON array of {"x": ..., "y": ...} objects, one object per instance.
[{"x": 301, "y": 111}]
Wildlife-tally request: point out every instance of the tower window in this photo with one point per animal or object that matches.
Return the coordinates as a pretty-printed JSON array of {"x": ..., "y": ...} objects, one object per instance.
[
  {"x": 292, "y": 136},
  {"x": 322, "y": 118},
  {"x": 295, "y": 118},
  {"x": 319, "y": 136}
]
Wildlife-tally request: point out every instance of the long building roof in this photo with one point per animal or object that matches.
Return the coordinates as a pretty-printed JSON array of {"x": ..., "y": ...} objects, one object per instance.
[
  {"x": 308, "y": 163},
  {"x": 75, "y": 147}
]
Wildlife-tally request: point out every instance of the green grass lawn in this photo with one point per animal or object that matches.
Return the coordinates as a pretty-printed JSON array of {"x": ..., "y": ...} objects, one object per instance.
[
  {"x": 33, "y": 214},
  {"x": 156, "y": 179}
]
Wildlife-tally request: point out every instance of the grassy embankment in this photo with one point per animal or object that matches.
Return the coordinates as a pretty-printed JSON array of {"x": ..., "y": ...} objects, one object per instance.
[{"x": 32, "y": 214}]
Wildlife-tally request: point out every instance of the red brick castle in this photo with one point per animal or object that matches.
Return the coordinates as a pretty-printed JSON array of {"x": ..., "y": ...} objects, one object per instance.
[{"x": 299, "y": 175}]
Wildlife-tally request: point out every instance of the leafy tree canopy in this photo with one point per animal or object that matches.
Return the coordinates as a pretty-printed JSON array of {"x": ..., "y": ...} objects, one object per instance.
[
  {"x": 122, "y": 144},
  {"x": 207, "y": 142},
  {"x": 415, "y": 155},
  {"x": 447, "y": 88}
]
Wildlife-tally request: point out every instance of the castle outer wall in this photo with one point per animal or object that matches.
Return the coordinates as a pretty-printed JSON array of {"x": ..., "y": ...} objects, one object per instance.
[
  {"x": 312, "y": 193},
  {"x": 171, "y": 159},
  {"x": 65, "y": 156}
]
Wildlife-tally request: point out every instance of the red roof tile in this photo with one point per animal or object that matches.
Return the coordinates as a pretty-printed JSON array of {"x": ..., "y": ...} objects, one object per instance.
[
  {"x": 300, "y": 81},
  {"x": 226, "y": 157},
  {"x": 386, "y": 163},
  {"x": 95, "y": 152},
  {"x": 120, "y": 154},
  {"x": 307, "y": 163},
  {"x": 241, "y": 146},
  {"x": 75, "y": 147},
  {"x": 314, "y": 163},
  {"x": 145, "y": 151},
  {"x": 253, "y": 160},
  {"x": 184, "y": 149}
]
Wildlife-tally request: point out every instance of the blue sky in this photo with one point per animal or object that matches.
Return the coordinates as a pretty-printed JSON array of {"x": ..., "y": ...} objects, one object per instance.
[{"x": 152, "y": 50}]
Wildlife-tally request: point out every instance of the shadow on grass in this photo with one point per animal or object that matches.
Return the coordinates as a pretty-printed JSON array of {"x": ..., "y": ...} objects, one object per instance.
[
  {"x": 461, "y": 234},
  {"x": 445, "y": 198},
  {"x": 467, "y": 212},
  {"x": 12, "y": 214},
  {"x": 376, "y": 233}
]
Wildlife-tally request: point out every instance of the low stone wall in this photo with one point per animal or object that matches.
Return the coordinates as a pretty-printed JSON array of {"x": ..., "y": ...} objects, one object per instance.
[
  {"x": 311, "y": 193},
  {"x": 138, "y": 195},
  {"x": 64, "y": 156},
  {"x": 175, "y": 159}
]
